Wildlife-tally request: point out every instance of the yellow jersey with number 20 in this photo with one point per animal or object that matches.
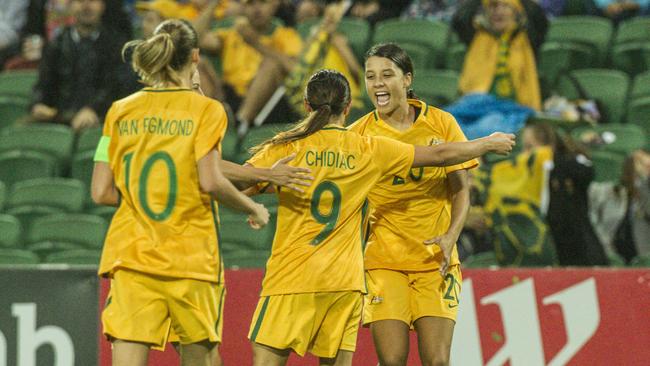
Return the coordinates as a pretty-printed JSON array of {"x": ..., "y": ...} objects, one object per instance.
[
  {"x": 405, "y": 211},
  {"x": 164, "y": 225},
  {"x": 318, "y": 240}
]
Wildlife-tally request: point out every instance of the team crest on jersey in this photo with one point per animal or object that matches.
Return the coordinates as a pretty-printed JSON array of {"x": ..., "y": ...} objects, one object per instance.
[{"x": 376, "y": 300}]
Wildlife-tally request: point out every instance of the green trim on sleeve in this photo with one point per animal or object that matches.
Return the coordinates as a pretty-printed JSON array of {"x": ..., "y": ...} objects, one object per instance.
[{"x": 101, "y": 154}]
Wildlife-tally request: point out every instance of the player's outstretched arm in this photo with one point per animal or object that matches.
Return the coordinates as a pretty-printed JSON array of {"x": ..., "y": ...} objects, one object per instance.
[
  {"x": 280, "y": 174},
  {"x": 102, "y": 188},
  {"x": 212, "y": 180},
  {"x": 453, "y": 153}
]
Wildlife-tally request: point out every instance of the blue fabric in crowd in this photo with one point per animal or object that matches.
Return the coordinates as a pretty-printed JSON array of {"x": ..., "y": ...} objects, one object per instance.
[{"x": 482, "y": 114}]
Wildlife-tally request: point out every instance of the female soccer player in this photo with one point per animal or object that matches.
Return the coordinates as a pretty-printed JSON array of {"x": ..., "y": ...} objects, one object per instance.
[
  {"x": 312, "y": 291},
  {"x": 158, "y": 161},
  {"x": 405, "y": 290}
]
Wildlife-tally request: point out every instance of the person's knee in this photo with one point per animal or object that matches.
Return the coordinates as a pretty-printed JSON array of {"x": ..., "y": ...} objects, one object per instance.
[
  {"x": 439, "y": 357},
  {"x": 393, "y": 359}
]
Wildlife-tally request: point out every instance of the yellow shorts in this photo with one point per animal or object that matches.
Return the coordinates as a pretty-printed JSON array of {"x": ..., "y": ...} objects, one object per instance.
[
  {"x": 322, "y": 323},
  {"x": 144, "y": 308},
  {"x": 408, "y": 296}
]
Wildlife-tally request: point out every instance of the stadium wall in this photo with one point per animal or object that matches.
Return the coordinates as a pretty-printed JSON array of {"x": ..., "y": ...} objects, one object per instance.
[{"x": 49, "y": 316}]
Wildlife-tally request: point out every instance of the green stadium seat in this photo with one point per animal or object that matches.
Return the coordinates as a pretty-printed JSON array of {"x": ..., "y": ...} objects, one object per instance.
[
  {"x": 82, "y": 167},
  {"x": 431, "y": 34},
  {"x": 257, "y": 135},
  {"x": 16, "y": 166},
  {"x": 75, "y": 256},
  {"x": 28, "y": 214},
  {"x": 640, "y": 261},
  {"x": 593, "y": 31},
  {"x": 629, "y": 57},
  {"x": 45, "y": 248},
  {"x": 246, "y": 259},
  {"x": 234, "y": 228},
  {"x": 12, "y": 108},
  {"x": 10, "y": 231},
  {"x": 456, "y": 57},
  {"x": 88, "y": 139},
  {"x": 229, "y": 148},
  {"x": 626, "y": 137},
  {"x": 608, "y": 166},
  {"x": 615, "y": 260},
  {"x": 640, "y": 86},
  {"x": 638, "y": 113},
  {"x": 610, "y": 87},
  {"x": 481, "y": 260},
  {"x": 51, "y": 139},
  {"x": 3, "y": 195},
  {"x": 17, "y": 256},
  {"x": 420, "y": 55},
  {"x": 636, "y": 29},
  {"x": 64, "y": 193},
  {"x": 82, "y": 229},
  {"x": 556, "y": 58},
  {"x": 105, "y": 212},
  {"x": 436, "y": 87},
  {"x": 19, "y": 83}
]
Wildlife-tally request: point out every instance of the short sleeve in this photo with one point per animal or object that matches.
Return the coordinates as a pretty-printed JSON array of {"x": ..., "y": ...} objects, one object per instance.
[
  {"x": 268, "y": 156},
  {"x": 103, "y": 151},
  {"x": 453, "y": 133},
  {"x": 211, "y": 129},
  {"x": 287, "y": 41},
  {"x": 392, "y": 157}
]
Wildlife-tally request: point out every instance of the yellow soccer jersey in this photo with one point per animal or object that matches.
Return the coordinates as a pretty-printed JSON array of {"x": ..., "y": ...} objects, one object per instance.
[
  {"x": 405, "y": 212},
  {"x": 164, "y": 225},
  {"x": 318, "y": 240},
  {"x": 240, "y": 61}
]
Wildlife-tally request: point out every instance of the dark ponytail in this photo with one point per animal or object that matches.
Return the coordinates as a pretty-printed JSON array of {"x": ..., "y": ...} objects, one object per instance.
[{"x": 328, "y": 94}]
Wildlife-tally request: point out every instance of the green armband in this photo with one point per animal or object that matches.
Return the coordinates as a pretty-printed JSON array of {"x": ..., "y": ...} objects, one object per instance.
[{"x": 101, "y": 154}]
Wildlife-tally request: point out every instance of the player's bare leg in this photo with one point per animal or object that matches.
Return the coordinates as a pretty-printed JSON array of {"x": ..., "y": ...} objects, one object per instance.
[
  {"x": 269, "y": 356},
  {"x": 343, "y": 358},
  {"x": 129, "y": 353},
  {"x": 434, "y": 339},
  {"x": 266, "y": 81},
  {"x": 199, "y": 354},
  {"x": 391, "y": 338}
]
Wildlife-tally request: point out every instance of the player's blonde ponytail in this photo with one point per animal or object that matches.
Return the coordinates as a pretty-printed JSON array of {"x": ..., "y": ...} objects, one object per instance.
[{"x": 158, "y": 60}]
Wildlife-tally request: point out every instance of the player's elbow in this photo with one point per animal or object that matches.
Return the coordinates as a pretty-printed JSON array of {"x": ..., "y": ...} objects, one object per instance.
[{"x": 102, "y": 194}]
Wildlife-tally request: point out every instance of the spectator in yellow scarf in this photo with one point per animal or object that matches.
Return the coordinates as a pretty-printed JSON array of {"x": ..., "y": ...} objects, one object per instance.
[{"x": 502, "y": 36}]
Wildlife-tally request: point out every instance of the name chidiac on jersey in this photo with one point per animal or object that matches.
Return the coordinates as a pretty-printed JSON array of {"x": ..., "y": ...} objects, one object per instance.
[{"x": 330, "y": 159}]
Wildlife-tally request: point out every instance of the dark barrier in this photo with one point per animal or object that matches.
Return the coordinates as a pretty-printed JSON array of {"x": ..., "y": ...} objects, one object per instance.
[{"x": 48, "y": 316}]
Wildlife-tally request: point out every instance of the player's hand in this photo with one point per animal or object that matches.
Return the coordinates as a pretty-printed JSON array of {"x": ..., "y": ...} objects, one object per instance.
[
  {"x": 446, "y": 243},
  {"x": 86, "y": 117},
  {"x": 42, "y": 112},
  {"x": 288, "y": 176},
  {"x": 259, "y": 218},
  {"x": 501, "y": 143}
]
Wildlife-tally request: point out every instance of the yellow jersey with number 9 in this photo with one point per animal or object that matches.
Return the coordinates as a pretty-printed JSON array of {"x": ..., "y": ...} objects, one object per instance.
[
  {"x": 318, "y": 240},
  {"x": 165, "y": 225},
  {"x": 405, "y": 212}
]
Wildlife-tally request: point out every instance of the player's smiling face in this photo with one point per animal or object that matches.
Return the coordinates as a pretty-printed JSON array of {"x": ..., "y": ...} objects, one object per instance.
[{"x": 386, "y": 84}]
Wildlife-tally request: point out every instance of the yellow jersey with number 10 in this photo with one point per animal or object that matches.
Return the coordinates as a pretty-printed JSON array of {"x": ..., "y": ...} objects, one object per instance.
[
  {"x": 318, "y": 240},
  {"x": 407, "y": 211},
  {"x": 164, "y": 224}
]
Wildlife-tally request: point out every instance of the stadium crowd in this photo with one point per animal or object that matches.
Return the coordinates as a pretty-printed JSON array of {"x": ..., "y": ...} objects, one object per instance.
[{"x": 570, "y": 77}]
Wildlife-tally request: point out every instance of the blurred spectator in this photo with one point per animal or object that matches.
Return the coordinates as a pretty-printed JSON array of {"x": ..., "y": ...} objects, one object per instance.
[
  {"x": 256, "y": 55},
  {"x": 618, "y": 10},
  {"x": 620, "y": 211},
  {"x": 13, "y": 14},
  {"x": 221, "y": 9},
  {"x": 46, "y": 20},
  {"x": 432, "y": 9},
  {"x": 81, "y": 72},
  {"x": 325, "y": 48},
  {"x": 377, "y": 10},
  {"x": 155, "y": 12},
  {"x": 576, "y": 242},
  {"x": 502, "y": 36}
]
